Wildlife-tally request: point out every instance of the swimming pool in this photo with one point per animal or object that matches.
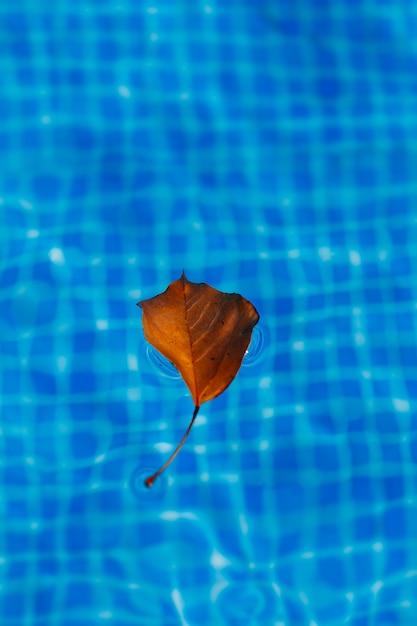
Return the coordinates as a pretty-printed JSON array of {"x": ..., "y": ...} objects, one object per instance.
[{"x": 267, "y": 149}]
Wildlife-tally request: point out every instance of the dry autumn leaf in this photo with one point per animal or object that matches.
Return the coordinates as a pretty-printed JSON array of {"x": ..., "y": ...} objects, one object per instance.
[{"x": 204, "y": 333}]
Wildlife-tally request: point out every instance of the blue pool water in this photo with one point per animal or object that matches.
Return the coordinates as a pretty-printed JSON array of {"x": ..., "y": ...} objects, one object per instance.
[{"x": 268, "y": 148}]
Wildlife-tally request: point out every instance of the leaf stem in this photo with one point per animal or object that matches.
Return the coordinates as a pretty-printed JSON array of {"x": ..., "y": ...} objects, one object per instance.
[{"x": 151, "y": 479}]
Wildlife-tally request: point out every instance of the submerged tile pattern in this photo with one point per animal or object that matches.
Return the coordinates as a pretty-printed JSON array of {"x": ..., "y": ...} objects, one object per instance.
[{"x": 268, "y": 148}]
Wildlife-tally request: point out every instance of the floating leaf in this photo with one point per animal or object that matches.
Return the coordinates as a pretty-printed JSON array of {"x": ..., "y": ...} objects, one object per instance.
[{"x": 204, "y": 333}]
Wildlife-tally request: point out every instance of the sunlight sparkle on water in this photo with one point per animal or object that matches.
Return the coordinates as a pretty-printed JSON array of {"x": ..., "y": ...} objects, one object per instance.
[
  {"x": 401, "y": 405},
  {"x": 377, "y": 586},
  {"x": 325, "y": 253},
  {"x": 354, "y": 257},
  {"x": 124, "y": 91},
  {"x": 56, "y": 256},
  {"x": 25, "y": 204}
]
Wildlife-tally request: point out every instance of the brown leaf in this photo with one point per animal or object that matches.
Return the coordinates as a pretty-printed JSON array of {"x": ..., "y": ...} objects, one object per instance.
[{"x": 204, "y": 333}]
